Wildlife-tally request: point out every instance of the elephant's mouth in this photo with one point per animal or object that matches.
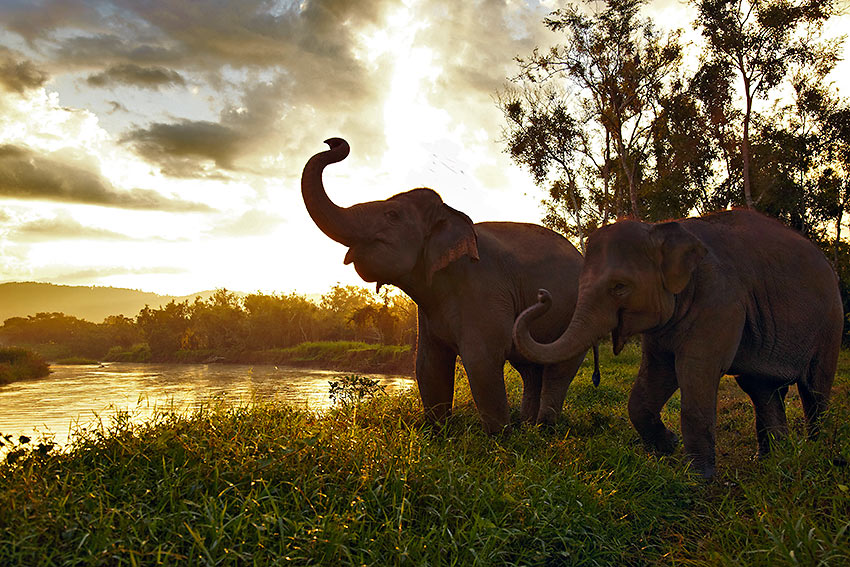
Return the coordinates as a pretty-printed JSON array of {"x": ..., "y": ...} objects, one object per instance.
[{"x": 366, "y": 272}]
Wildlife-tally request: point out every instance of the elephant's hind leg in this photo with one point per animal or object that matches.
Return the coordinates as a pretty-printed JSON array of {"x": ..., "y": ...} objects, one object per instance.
[
  {"x": 815, "y": 389},
  {"x": 769, "y": 404},
  {"x": 556, "y": 381},
  {"x": 532, "y": 380}
]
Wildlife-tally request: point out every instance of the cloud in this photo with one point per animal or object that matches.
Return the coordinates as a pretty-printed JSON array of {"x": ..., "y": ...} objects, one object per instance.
[
  {"x": 180, "y": 148},
  {"x": 33, "y": 20},
  {"x": 25, "y": 174},
  {"x": 88, "y": 275},
  {"x": 251, "y": 223},
  {"x": 132, "y": 74},
  {"x": 474, "y": 63},
  {"x": 278, "y": 70},
  {"x": 18, "y": 75},
  {"x": 63, "y": 227}
]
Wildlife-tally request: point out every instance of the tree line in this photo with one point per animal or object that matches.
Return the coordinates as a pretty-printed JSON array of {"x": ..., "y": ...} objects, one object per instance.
[
  {"x": 620, "y": 118},
  {"x": 226, "y": 323}
]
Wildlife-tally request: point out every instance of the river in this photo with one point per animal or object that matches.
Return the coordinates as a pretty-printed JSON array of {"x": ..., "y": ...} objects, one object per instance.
[{"x": 75, "y": 396}]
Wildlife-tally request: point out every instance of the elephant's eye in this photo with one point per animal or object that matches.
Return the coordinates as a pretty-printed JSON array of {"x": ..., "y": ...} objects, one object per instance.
[
  {"x": 392, "y": 215},
  {"x": 620, "y": 289}
]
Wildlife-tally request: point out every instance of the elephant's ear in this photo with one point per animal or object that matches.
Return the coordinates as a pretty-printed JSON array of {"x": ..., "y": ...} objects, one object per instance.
[
  {"x": 451, "y": 237},
  {"x": 681, "y": 251}
]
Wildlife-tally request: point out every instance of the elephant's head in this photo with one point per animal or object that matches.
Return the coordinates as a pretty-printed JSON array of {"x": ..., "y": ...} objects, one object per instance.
[
  {"x": 631, "y": 275},
  {"x": 388, "y": 240}
]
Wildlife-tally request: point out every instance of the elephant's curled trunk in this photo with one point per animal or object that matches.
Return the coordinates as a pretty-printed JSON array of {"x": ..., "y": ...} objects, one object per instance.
[
  {"x": 335, "y": 221},
  {"x": 572, "y": 343}
]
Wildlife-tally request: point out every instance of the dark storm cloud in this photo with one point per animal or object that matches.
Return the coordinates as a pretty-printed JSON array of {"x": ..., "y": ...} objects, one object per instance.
[
  {"x": 18, "y": 74},
  {"x": 132, "y": 74},
  {"x": 25, "y": 174}
]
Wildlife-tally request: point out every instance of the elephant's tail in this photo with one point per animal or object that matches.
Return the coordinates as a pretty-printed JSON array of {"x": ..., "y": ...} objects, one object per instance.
[{"x": 596, "y": 375}]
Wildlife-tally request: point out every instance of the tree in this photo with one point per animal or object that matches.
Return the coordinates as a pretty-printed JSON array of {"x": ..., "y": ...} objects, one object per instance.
[
  {"x": 217, "y": 324},
  {"x": 760, "y": 40},
  {"x": 164, "y": 328},
  {"x": 581, "y": 116}
]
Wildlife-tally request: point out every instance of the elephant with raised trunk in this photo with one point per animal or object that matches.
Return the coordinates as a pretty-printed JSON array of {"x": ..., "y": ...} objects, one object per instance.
[
  {"x": 469, "y": 282},
  {"x": 734, "y": 293}
]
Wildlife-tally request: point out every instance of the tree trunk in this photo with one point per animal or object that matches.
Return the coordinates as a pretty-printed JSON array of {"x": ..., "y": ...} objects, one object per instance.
[{"x": 745, "y": 145}]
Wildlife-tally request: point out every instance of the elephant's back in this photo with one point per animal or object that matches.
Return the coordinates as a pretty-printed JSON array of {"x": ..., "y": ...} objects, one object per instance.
[
  {"x": 790, "y": 289},
  {"x": 530, "y": 244}
]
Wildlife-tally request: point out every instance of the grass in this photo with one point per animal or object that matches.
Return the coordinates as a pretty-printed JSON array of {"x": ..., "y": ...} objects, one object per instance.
[
  {"x": 77, "y": 360},
  {"x": 20, "y": 364},
  {"x": 342, "y": 355},
  {"x": 370, "y": 484}
]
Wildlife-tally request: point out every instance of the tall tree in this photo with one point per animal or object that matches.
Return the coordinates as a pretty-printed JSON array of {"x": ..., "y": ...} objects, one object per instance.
[
  {"x": 582, "y": 112},
  {"x": 760, "y": 40}
]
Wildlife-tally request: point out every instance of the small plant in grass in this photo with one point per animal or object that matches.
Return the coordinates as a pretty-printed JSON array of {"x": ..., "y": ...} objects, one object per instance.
[{"x": 353, "y": 389}]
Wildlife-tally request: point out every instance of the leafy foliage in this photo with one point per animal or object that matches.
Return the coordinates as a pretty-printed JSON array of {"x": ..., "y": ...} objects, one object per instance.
[
  {"x": 353, "y": 388},
  {"x": 224, "y": 325},
  {"x": 20, "y": 364}
]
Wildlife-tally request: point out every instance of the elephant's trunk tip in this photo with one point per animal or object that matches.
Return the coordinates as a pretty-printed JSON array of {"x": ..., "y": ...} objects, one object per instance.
[
  {"x": 521, "y": 333},
  {"x": 339, "y": 147}
]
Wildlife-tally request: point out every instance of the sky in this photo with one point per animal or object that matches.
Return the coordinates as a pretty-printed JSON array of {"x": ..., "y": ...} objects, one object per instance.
[{"x": 158, "y": 145}]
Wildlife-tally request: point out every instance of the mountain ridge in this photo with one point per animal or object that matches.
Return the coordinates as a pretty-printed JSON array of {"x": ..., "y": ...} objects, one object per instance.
[{"x": 92, "y": 303}]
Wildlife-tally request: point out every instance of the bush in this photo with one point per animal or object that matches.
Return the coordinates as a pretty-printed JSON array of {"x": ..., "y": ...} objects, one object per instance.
[
  {"x": 21, "y": 364},
  {"x": 137, "y": 353}
]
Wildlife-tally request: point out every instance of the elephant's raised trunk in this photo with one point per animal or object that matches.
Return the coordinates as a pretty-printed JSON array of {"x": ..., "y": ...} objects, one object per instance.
[
  {"x": 336, "y": 222},
  {"x": 574, "y": 341}
]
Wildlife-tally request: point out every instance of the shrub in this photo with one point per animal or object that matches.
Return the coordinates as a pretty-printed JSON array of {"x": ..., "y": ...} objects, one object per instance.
[
  {"x": 21, "y": 364},
  {"x": 353, "y": 388}
]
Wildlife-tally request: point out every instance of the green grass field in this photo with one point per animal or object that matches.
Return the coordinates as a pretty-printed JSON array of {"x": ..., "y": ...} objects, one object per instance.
[{"x": 264, "y": 484}]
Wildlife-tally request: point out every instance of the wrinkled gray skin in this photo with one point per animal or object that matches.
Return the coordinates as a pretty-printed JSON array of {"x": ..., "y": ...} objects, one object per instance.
[
  {"x": 728, "y": 293},
  {"x": 469, "y": 281}
]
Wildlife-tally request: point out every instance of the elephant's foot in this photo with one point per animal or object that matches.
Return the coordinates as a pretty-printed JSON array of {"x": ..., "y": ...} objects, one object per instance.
[
  {"x": 528, "y": 413},
  {"x": 497, "y": 426},
  {"x": 704, "y": 465},
  {"x": 547, "y": 416},
  {"x": 769, "y": 439},
  {"x": 663, "y": 444}
]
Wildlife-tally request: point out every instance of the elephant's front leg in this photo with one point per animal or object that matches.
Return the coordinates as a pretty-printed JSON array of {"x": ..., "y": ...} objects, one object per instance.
[
  {"x": 435, "y": 376},
  {"x": 699, "y": 378},
  {"x": 485, "y": 371},
  {"x": 655, "y": 383}
]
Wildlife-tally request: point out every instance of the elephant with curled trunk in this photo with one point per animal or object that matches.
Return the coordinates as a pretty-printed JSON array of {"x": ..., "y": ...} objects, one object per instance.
[
  {"x": 469, "y": 282},
  {"x": 733, "y": 293}
]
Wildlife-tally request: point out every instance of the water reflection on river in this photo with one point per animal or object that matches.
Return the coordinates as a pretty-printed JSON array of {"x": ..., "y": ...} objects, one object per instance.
[{"x": 81, "y": 395}]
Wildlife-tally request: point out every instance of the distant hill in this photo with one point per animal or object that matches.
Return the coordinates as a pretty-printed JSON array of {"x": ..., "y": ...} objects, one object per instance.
[{"x": 20, "y": 299}]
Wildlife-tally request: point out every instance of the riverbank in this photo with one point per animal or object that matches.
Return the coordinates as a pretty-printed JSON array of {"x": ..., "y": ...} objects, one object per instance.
[
  {"x": 21, "y": 364},
  {"x": 345, "y": 356},
  {"x": 267, "y": 483}
]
